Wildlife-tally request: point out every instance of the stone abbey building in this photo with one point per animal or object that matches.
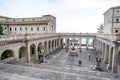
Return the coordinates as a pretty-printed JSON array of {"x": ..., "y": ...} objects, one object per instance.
[{"x": 26, "y": 38}]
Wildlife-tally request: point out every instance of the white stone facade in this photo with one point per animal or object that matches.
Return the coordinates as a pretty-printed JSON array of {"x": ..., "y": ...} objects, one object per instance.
[
  {"x": 34, "y": 25},
  {"x": 112, "y": 20}
]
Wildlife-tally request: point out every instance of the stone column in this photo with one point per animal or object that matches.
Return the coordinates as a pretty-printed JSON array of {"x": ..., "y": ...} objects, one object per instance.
[
  {"x": 65, "y": 42},
  {"x": 87, "y": 43},
  {"x": 51, "y": 46},
  {"x": 102, "y": 51},
  {"x": 28, "y": 52},
  {"x": 114, "y": 60},
  {"x": 105, "y": 54},
  {"x": 47, "y": 49},
  {"x": 36, "y": 52},
  {"x": 110, "y": 59},
  {"x": 80, "y": 42},
  {"x": 16, "y": 54}
]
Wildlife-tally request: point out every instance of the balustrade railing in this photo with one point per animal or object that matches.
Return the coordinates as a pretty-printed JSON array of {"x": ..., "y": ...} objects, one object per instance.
[
  {"x": 113, "y": 37},
  {"x": 5, "y": 38}
]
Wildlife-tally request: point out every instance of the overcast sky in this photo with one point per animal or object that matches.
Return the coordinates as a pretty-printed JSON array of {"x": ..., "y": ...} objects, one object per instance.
[{"x": 72, "y": 15}]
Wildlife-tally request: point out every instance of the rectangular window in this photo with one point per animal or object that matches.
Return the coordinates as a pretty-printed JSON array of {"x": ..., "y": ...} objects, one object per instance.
[
  {"x": 26, "y": 28},
  {"x": 44, "y": 28},
  {"x": 20, "y": 29},
  {"x": 10, "y": 29},
  {"x": 15, "y": 29},
  {"x": 37, "y": 28}
]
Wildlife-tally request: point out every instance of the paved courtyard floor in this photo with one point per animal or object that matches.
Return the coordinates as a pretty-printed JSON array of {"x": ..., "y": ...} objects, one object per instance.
[{"x": 61, "y": 57}]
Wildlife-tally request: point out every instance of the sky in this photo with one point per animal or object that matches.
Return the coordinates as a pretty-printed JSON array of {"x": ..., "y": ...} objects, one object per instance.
[{"x": 71, "y": 15}]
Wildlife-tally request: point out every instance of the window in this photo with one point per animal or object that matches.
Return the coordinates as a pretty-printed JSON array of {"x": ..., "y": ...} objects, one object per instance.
[
  {"x": 37, "y": 28},
  {"x": 117, "y": 11},
  {"x": 5, "y": 28},
  {"x": 20, "y": 29},
  {"x": 33, "y": 19},
  {"x": 117, "y": 20},
  {"x": 23, "y": 20},
  {"x": 10, "y": 29},
  {"x": 116, "y": 31},
  {"x": 44, "y": 28},
  {"x": 26, "y": 28},
  {"x": 15, "y": 29},
  {"x": 52, "y": 28},
  {"x": 31, "y": 29}
]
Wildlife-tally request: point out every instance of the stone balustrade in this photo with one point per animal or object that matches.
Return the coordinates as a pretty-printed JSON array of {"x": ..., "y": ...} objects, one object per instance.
[
  {"x": 112, "y": 37},
  {"x": 5, "y": 38}
]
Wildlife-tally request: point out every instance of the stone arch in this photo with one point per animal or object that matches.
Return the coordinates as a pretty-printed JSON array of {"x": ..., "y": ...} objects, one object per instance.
[
  {"x": 32, "y": 49},
  {"x": 83, "y": 42},
  {"x": 90, "y": 42},
  {"x": 22, "y": 52},
  {"x": 7, "y": 56},
  {"x": 33, "y": 52}
]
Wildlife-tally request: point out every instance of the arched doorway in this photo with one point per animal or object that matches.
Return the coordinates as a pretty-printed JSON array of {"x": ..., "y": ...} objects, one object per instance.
[
  {"x": 22, "y": 52},
  {"x": 33, "y": 52},
  {"x": 7, "y": 56}
]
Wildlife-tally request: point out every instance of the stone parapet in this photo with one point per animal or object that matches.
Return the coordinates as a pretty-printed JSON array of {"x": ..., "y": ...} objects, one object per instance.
[{"x": 112, "y": 37}]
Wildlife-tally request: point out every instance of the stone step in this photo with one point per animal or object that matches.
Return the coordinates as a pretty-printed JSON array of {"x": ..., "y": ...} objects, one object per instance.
[
  {"x": 74, "y": 69},
  {"x": 48, "y": 74},
  {"x": 8, "y": 76}
]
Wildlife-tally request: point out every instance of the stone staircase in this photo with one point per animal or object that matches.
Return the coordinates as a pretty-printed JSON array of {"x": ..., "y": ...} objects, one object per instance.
[{"x": 52, "y": 72}]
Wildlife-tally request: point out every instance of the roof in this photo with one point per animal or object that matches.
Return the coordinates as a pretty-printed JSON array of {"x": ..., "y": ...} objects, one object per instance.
[{"x": 115, "y": 7}]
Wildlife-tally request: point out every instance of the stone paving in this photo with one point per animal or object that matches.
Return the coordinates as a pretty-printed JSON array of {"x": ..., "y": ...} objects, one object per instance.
[{"x": 58, "y": 66}]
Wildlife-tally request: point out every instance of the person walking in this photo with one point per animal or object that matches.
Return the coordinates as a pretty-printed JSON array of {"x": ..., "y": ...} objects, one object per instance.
[{"x": 79, "y": 62}]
